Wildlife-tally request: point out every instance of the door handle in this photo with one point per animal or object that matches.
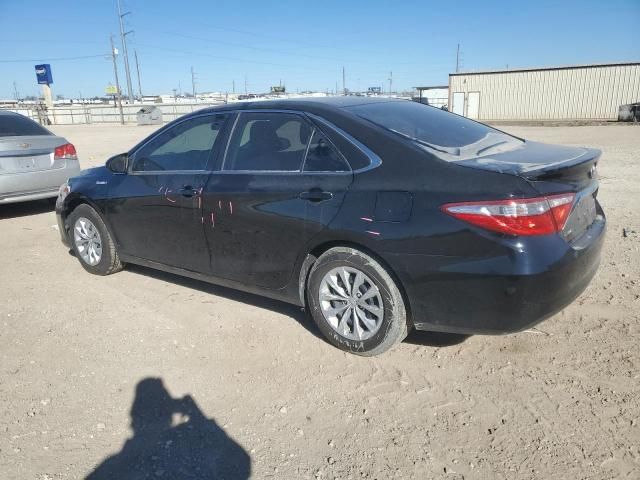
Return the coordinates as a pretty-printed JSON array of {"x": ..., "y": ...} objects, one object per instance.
[{"x": 316, "y": 195}]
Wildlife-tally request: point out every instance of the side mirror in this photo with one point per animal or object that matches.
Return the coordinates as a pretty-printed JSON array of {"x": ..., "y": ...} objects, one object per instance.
[{"x": 118, "y": 163}]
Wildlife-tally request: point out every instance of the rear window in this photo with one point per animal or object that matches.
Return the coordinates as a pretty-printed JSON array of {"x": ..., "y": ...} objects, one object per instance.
[
  {"x": 443, "y": 131},
  {"x": 18, "y": 126}
]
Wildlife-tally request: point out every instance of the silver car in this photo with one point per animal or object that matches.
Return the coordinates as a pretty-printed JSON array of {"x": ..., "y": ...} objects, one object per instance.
[{"x": 33, "y": 161}]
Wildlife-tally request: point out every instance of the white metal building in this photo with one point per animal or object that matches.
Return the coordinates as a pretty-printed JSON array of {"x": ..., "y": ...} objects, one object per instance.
[{"x": 581, "y": 92}]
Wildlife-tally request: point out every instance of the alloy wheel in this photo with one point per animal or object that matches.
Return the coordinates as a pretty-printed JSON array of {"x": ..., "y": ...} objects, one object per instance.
[
  {"x": 87, "y": 240},
  {"x": 351, "y": 303}
]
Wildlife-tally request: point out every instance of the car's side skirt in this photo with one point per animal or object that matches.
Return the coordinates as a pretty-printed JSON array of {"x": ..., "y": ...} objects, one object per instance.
[{"x": 282, "y": 294}]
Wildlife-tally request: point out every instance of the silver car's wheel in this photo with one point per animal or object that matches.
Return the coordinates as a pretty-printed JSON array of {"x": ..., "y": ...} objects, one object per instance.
[
  {"x": 351, "y": 303},
  {"x": 87, "y": 241}
]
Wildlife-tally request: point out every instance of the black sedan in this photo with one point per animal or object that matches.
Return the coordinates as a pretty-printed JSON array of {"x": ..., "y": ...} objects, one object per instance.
[{"x": 377, "y": 215}]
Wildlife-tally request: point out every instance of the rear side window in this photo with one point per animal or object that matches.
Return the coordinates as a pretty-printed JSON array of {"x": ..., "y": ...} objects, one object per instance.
[
  {"x": 186, "y": 146},
  {"x": 268, "y": 142},
  {"x": 18, "y": 126},
  {"x": 322, "y": 157},
  {"x": 429, "y": 125}
]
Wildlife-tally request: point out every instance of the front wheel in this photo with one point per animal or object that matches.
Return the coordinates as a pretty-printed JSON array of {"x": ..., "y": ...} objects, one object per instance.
[
  {"x": 356, "y": 302},
  {"x": 91, "y": 242}
]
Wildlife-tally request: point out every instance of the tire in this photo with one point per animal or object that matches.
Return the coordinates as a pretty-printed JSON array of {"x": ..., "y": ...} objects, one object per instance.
[
  {"x": 375, "y": 335},
  {"x": 108, "y": 261}
]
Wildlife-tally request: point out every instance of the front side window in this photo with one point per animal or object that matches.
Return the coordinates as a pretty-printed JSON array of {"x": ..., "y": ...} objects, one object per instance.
[
  {"x": 186, "y": 146},
  {"x": 268, "y": 142},
  {"x": 322, "y": 157}
]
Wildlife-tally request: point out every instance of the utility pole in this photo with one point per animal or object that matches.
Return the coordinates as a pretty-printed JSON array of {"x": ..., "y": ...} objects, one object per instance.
[
  {"x": 390, "y": 81},
  {"x": 135, "y": 53},
  {"x": 114, "y": 52},
  {"x": 245, "y": 84},
  {"x": 458, "y": 59},
  {"x": 344, "y": 88},
  {"x": 123, "y": 39},
  {"x": 16, "y": 95},
  {"x": 233, "y": 86},
  {"x": 193, "y": 82}
]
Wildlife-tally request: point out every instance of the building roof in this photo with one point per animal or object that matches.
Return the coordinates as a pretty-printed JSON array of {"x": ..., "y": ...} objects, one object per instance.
[
  {"x": 431, "y": 88},
  {"x": 537, "y": 69}
]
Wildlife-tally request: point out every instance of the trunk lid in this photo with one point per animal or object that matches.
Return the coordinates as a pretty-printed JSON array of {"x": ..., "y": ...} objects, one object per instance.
[
  {"x": 30, "y": 153},
  {"x": 551, "y": 170},
  {"x": 539, "y": 161}
]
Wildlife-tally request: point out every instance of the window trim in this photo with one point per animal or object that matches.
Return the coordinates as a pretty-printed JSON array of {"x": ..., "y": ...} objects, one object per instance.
[
  {"x": 325, "y": 172},
  {"x": 210, "y": 168},
  {"x": 374, "y": 159}
]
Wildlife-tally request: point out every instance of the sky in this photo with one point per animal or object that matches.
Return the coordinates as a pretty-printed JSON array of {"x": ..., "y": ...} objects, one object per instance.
[{"x": 302, "y": 44}]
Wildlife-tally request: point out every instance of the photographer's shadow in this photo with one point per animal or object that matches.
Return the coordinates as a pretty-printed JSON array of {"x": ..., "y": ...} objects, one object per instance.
[{"x": 173, "y": 439}]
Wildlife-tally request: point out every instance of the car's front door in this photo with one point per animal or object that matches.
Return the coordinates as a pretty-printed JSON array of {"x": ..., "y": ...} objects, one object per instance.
[
  {"x": 156, "y": 208},
  {"x": 263, "y": 207}
]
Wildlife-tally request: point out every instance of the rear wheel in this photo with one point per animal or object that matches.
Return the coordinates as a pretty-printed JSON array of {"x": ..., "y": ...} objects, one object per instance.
[
  {"x": 355, "y": 302},
  {"x": 91, "y": 242}
]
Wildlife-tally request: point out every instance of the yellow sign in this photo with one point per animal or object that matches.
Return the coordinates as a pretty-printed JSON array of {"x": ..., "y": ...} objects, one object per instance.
[{"x": 111, "y": 90}]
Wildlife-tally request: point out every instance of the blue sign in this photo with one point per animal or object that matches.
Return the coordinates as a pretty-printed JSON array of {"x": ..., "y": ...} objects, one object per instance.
[{"x": 43, "y": 74}]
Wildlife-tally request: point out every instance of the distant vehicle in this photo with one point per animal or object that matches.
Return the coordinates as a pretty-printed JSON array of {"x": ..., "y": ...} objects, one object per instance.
[
  {"x": 33, "y": 161},
  {"x": 378, "y": 215},
  {"x": 629, "y": 113}
]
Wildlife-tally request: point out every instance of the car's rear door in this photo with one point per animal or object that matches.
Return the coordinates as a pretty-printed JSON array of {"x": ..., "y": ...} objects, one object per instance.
[
  {"x": 263, "y": 207},
  {"x": 156, "y": 208}
]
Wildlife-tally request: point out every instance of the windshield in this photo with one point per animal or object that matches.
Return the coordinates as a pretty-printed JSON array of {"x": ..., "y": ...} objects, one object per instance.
[
  {"x": 18, "y": 126},
  {"x": 449, "y": 136}
]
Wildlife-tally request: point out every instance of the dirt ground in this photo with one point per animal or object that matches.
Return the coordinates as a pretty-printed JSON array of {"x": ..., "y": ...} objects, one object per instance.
[{"x": 251, "y": 383}]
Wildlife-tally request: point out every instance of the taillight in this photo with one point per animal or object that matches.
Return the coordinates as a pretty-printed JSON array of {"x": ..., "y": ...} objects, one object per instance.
[
  {"x": 66, "y": 151},
  {"x": 526, "y": 216}
]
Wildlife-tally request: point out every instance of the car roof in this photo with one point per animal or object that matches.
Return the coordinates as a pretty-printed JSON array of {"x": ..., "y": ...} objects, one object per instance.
[{"x": 308, "y": 104}]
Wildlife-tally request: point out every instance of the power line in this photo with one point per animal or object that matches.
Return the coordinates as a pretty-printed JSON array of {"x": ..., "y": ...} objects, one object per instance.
[
  {"x": 201, "y": 54},
  {"x": 250, "y": 47},
  {"x": 58, "y": 59},
  {"x": 262, "y": 35}
]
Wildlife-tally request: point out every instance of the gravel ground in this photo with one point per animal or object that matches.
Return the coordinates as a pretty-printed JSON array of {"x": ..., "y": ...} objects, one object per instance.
[{"x": 247, "y": 380}]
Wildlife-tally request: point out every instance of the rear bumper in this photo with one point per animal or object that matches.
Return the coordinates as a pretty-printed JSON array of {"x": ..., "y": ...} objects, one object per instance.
[
  {"x": 505, "y": 294},
  {"x": 22, "y": 187}
]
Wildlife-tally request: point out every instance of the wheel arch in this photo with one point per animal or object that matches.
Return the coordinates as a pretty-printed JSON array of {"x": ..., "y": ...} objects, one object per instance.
[
  {"x": 313, "y": 255},
  {"x": 74, "y": 202}
]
